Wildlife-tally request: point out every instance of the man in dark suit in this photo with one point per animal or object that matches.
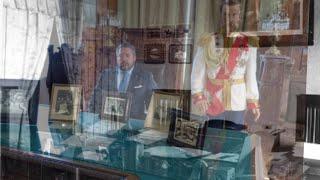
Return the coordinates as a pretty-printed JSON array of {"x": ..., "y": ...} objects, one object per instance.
[{"x": 127, "y": 76}]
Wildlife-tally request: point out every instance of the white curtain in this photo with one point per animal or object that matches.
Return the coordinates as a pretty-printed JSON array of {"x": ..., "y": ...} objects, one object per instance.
[
  {"x": 26, "y": 27},
  {"x": 25, "y": 34},
  {"x": 70, "y": 22},
  {"x": 144, "y": 13}
]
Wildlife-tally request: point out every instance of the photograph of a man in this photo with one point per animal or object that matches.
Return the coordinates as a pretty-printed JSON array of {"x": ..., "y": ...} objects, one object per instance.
[{"x": 126, "y": 77}]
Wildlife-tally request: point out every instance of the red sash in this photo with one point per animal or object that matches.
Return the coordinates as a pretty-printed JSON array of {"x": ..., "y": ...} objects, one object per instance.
[{"x": 216, "y": 106}]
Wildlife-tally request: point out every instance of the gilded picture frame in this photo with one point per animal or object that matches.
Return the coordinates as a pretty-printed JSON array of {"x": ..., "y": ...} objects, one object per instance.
[
  {"x": 276, "y": 22},
  {"x": 162, "y": 101},
  {"x": 65, "y": 102}
]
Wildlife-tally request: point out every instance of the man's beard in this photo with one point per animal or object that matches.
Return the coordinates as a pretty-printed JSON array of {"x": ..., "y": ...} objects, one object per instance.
[{"x": 125, "y": 66}]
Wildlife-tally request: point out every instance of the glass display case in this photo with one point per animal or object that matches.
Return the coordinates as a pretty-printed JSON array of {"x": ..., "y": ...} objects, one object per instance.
[
  {"x": 150, "y": 89},
  {"x": 126, "y": 151}
]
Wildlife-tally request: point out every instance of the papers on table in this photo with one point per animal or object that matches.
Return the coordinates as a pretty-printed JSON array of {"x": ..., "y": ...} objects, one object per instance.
[
  {"x": 93, "y": 147},
  {"x": 91, "y": 155},
  {"x": 98, "y": 141},
  {"x": 148, "y": 137},
  {"x": 104, "y": 127},
  {"x": 88, "y": 141},
  {"x": 229, "y": 157},
  {"x": 75, "y": 140},
  {"x": 175, "y": 152},
  {"x": 47, "y": 144}
]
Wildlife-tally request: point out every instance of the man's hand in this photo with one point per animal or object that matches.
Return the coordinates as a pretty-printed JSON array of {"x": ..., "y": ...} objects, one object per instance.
[
  {"x": 256, "y": 113},
  {"x": 202, "y": 106}
]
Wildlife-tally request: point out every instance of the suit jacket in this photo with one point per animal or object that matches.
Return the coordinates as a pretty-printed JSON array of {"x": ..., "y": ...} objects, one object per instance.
[{"x": 140, "y": 86}]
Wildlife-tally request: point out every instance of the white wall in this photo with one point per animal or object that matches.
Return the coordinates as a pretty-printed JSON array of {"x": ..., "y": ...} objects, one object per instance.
[
  {"x": 313, "y": 76},
  {"x": 313, "y": 73}
]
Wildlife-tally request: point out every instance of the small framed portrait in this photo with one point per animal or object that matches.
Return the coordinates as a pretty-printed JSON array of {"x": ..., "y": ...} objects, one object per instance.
[
  {"x": 180, "y": 53},
  {"x": 152, "y": 33},
  {"x": 115, "y": 106},
  {"x": 161, "y": 102},
  {"x": 187, "y": 130},
  {"x": 154, "y": 53},
  {"x": 65, "y": 102},
  {"x": 167, "y": 32}
]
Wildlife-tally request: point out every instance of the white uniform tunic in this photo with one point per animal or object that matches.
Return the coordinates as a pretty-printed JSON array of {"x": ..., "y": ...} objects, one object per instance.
[{"x": 242, "y": 85}]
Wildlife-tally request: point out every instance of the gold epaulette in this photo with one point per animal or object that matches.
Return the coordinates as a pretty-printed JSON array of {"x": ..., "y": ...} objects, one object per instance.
[{"x": 205, "y": 39}]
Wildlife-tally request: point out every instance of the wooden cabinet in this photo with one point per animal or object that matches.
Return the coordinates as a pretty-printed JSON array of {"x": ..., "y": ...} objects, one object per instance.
[{"x": 18, "y": 165}]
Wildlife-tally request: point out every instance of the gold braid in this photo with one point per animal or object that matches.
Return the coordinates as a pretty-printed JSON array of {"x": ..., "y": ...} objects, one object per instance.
[{"x": 212, "y": 58}]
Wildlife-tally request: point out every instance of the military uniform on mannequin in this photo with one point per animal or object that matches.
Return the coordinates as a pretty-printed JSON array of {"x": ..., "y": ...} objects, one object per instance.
[{"x": 223, "y": 78}]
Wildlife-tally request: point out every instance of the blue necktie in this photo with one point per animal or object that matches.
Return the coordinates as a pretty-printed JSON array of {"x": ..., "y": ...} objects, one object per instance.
[{"x": 124, "y": 81}]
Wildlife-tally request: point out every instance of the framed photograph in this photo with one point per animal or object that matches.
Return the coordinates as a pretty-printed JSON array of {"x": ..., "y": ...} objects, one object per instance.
[
  {"x": 115, "y": 106},
  {"x": 65, "y": 102},
  {"x": 167, "y": 31},
  {"x": 154, "y": 53},
  {"x": 280, "y": 22},
  {"x": 180, "y": 53},
  {"x": 152, "y": 33},
  {"x": 187, "y": 130},
  {"x": 161, "y": 102}
]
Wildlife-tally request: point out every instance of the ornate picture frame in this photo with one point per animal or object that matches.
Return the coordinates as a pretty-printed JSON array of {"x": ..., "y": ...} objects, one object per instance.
[
  {"x": 152, "y": 33},
  {"x": 162, "y": 101},
  {"x": 65, "y": 102},
  {"x": 115, "y": 106},
  {"x": 187, "y": 130},
  {"x": 276, "y": 22}
]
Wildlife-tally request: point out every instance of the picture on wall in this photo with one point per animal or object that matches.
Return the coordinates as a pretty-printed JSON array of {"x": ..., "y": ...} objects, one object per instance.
[
  {"x": 154, "y": 53},
  {"x": 288, "y": 22},
  {"x": 180, "y": 53},
  {"x": 167, "y": 32},
  {"x": 152, "y": 33}
]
